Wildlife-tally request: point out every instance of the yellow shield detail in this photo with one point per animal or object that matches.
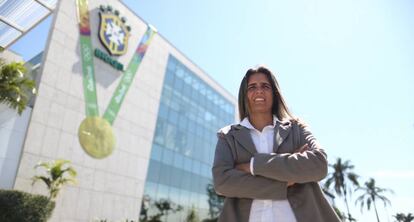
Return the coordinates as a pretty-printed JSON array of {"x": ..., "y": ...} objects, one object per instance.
[{"x": 113, "y": 34}]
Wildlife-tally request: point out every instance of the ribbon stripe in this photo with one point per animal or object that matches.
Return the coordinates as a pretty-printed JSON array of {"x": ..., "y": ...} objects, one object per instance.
[{"x": 89, "y": 83}]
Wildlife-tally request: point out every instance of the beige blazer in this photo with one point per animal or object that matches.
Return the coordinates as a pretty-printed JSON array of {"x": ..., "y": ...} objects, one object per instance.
[{"x": 272, "y": 171}]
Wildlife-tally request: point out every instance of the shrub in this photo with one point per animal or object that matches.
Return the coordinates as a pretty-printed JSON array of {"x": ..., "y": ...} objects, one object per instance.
[{"x": 17, "y": 206}]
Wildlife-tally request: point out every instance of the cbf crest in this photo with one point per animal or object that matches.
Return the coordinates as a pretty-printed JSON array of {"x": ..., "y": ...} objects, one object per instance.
[{"x": 113, "y": 33}]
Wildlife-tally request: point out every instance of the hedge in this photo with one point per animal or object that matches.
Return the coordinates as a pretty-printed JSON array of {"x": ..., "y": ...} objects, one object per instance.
[{"x": 18, "y": 206}]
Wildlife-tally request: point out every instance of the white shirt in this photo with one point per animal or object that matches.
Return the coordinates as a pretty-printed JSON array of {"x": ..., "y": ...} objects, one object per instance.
[{"x": 267, "y": 210}]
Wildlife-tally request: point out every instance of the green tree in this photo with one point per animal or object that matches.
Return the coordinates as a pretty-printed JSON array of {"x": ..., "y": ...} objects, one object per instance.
[
  {"x": 401, "y": 217},
  {"x": 58, "y": 173},
  {"x": 15, "y": 85},
  {"x": 166, "y": 206},
  {"x": 192, "y": 215},
  {"x": 372, "y": 193},
  {"x": 145, "y": 204},
  {"x": 342, "y": 178},
  {"x": 215, "y": 203},
  {"x": 409, "y": 218},
  {"x": 163, "y": 206}
]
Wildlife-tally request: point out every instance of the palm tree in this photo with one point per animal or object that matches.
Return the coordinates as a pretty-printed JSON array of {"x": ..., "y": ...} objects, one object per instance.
[
  {"x": 15, "y": 86},
  {"x": 409, "y": 218},
  {"x": 371, "y": 194},
  {"x": 58, "y": 173},
  {"x": 400, "y": 217},
  {"x": 341, "y": 178}
]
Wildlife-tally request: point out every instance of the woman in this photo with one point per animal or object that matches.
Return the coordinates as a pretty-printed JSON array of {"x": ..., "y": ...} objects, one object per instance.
[{"x": 268, "y": 166}]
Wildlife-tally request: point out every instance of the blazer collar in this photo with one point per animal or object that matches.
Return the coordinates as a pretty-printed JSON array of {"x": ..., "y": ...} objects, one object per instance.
[
  {"x": 242, "y": 135},
  {"x": 283, "y": 130}
]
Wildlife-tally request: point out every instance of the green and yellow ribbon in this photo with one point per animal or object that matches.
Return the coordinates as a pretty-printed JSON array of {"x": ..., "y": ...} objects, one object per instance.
[{"x": 95, "y": 133}]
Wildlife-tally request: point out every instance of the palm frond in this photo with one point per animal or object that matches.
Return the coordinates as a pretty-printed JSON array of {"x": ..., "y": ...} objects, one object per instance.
[
  {"x": 46, "y": 180},
  {"x": 353, "y": 178},
  {"x": 57, "y": 175},
  {"x": 16, "y": 86},
  {"x": 328, "y": 193},
  {"x": 371, "y": 193},
  {"x": 45, "y": 165}
]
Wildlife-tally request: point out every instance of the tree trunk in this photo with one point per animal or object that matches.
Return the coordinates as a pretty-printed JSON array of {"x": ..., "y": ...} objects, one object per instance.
[
  {"x": 376, "y": 212},
  {"x": 346, "y": 203},
  {"x": 347, "y": 208}
]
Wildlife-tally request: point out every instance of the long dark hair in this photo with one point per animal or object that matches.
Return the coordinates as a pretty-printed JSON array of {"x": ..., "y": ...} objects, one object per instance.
[{"x": 279, "y": 107}]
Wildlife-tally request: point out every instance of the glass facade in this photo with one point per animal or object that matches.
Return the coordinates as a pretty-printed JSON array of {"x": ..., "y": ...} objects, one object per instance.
[
  {"x": 19, "y": 16},
  {"x": 179, "y": 171}
]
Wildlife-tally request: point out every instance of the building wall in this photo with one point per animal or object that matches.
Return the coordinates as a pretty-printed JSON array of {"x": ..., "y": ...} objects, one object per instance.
[
  {"x": 109, "y": 188},
  {"x": 12, "y": 132}
]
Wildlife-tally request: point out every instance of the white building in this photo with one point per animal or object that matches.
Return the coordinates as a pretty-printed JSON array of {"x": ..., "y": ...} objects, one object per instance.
[{"x": 164, "y": 131}]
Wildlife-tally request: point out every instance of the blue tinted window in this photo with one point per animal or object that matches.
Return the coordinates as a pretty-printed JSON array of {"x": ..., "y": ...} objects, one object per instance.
[
  {"x": 187, "y": 90},
  {"x": 159, "y": 132},
  {"x": 186, "y": 180},
  {"x": 156, "y": 152},
  {"x": 153, "y": 171},
  {"x": 196, "y": 167},
  {"x": 163, "y": 111},
  {"x": 178, "y": 84},
  {"x": 168, "y": 157},
  {"x": 176, "y": 177},
  {"x": 189, "y": 115},
  {"x": 188, "y": 165},
  {"x": 165, "y": 174},
  {"x": 162, "y": 192},
  {"x": 178, "y": 160}
]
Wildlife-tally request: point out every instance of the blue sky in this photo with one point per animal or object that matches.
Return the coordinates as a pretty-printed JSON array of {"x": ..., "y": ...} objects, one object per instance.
[{"x": 345, "y": 67}]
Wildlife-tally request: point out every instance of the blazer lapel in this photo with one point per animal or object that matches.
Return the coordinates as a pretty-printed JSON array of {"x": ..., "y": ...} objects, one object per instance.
[
  {"x": 242, "y": 135},
  {"x": 282, "y": 130}
]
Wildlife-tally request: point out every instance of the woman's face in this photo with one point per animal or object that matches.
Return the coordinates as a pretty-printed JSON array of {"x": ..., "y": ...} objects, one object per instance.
[{"x": 259, "y": 94}]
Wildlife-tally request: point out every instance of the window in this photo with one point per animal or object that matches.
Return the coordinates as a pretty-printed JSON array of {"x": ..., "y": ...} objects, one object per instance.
[
  {"x": 167, "y": 157},
  {"x": 189, "y": 116},
  {"x": 153, "y": 171},
  {"x": 156, "y": 152},
  {"x": 178, "y": 160}
]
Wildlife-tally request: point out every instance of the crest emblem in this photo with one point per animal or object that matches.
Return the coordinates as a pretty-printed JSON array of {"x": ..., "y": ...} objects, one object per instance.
[{"x": 113, "y": 33}]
